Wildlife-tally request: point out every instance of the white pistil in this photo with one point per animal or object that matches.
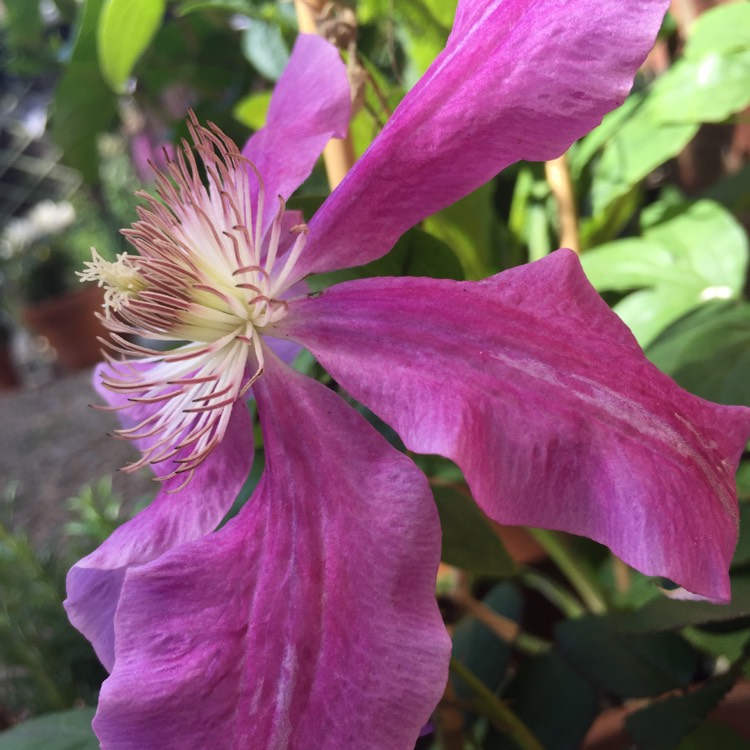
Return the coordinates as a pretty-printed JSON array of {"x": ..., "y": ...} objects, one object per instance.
[
  {"x": 122, "y": 279},
  {"x": 207, "y": 280}
]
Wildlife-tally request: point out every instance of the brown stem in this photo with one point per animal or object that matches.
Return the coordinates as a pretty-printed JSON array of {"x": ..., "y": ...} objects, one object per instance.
[
  {"x": 338, "y": 155},
  {"x": 558, "y": 177}
]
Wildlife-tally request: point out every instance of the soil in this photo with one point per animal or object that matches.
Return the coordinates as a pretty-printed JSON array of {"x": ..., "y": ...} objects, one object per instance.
[{"x": 52, "y": 443}]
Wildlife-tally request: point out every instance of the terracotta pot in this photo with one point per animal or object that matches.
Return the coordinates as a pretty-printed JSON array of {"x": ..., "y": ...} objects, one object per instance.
[{"x": 70, "y": 325}]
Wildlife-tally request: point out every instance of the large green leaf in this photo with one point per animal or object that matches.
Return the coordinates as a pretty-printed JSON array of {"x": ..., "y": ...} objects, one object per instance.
[
  {"x": 691, "y": 255},
  {"x": 665, "y": 614},
  {"x": 721, "y": 30},
  {"x": 707, "y": 85},
  {"x": 468, "y": 540},
  {"x": 641, "y": 144},
  {"x": 708, "y": 89},
  {"x": 553, "y": 700},
  {"x": 664, "y": 723},
  {"x": 84, "y": 105},
  {"x": 125, "y": 30},
  {"x": 628, "y": 665},
  {"x": 64, "y": 730},
  {"x": 708, "y": 352}
]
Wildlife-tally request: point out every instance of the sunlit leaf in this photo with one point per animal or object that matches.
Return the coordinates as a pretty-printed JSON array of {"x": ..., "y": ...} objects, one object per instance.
[
  {"x": 720, "y": 30},
  {"x": 708, "y": 352},
  {"x": 125, "y": 30},
  {"x": 691, "y": 255},
  {"x": 252, "y": 110}
]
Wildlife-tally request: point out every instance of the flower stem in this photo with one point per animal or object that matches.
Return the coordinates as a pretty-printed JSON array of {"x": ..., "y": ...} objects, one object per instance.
[
  {"x": 504, "y": 628},
  {"x": 553, "y": 591},
  {"x": 574, "y": 567},
  {"x": 561, "y": 185},
  {"x": 338, "y": 155},
  {"x": 496, "y": 710}
]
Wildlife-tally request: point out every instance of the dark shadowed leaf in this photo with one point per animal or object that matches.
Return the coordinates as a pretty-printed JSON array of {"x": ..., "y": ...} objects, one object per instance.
[
  {"x": 478, "y": 648},
  {"x": 711, "y": 735},
  {"x": 627, "y": 665},
  {"x": 548, "y": 696},
  {"x": 468, "y": 540},
  {"x": 664, "y": 723}
]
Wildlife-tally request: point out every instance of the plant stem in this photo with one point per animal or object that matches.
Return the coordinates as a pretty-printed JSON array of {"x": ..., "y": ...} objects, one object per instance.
[
  {"x": 573, "y": 567},
  {"x": 553, "y": 592},
  {"x": 338, "y": 155},
  {"x": 561, "y": 185},
  {"x": 504, "y": 628},
  {"x": 496, "y": 710}
]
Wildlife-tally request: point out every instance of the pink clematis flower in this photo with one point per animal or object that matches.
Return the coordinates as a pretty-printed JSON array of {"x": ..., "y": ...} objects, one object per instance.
[{"x": 309, "y": 619}]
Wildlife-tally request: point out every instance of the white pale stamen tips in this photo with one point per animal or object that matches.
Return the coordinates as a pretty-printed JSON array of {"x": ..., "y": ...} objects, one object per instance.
[{"x": 206, "y": 281}]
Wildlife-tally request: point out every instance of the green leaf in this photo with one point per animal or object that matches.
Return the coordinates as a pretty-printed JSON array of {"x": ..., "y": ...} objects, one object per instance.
[
  {"x": 548, "y": 696},
  {"x": 742, "y": 552},
  {"x": 264, "y": 46},
  {"x": 664, "y": 723},
  {"x": 126, "y": 28},
  {"x": 628, "y": 665},
  {"x": 245, "y": 7},
  {"x": 707, "y": 85},
  {"x": 709, "y": 89},
  {"x": 468, "y": 540},
  {"x": 252, "y": 110},
  {"x": 417, "y": 253},
  {"x": 477, "y": 647},
  {"x": 708, "y": 352},
  {"x": 665, "y": 614},
  {"x": 728, "y": 645},
  {"x": 581, "y": 153},
  {"x": 468, "y": 227},
  {"x": 84, "y": 105},
  {"x": 64, "y": 730},
  {"x": 423, "y": 26},
  {"x": 721, "y": 30},
  {"x": 641, "y": 144},
  {"x": 689, "y": 255},
  {"x": 711, "y": 735}
]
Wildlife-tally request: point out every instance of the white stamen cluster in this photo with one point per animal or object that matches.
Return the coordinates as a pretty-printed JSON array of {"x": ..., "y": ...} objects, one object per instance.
[{"x": 205, "y": 279}]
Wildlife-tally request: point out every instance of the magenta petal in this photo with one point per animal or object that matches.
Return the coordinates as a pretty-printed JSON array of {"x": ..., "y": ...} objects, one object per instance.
[
  {"x": 542, "y": 396},
  {"x": 309, "y": 621},
  {"x": 310, "y": 105},
  {"x": 173, "y": 518},
  {"x": 518, "y": 79}
]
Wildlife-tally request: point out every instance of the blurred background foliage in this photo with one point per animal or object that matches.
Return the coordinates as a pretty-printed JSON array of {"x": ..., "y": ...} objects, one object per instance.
[{"x": 552, "y": 634}]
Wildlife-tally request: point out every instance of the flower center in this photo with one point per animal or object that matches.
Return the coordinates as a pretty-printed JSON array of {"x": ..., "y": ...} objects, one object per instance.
[{"x": 207, "y": 280}]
